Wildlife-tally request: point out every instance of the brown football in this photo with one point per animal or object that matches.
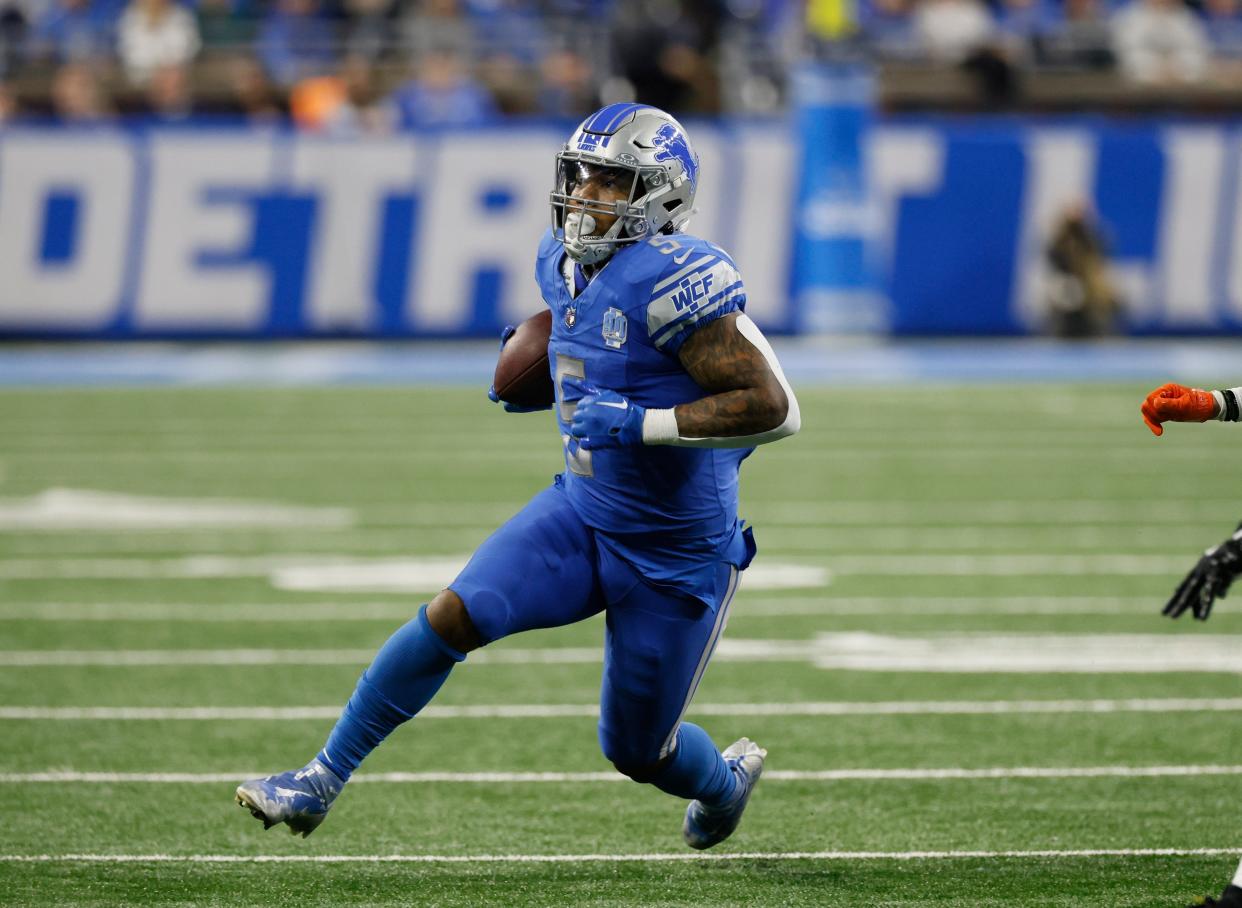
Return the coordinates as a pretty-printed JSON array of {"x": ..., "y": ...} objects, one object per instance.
[{"x": 522, "y": 375}]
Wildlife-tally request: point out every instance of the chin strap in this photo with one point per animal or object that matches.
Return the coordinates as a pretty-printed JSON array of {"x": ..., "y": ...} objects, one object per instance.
[{"x": 579, "y": 227}]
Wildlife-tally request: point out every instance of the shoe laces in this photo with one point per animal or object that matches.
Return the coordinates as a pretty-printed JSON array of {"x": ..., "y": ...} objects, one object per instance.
[{"x": 320, "y": 780}]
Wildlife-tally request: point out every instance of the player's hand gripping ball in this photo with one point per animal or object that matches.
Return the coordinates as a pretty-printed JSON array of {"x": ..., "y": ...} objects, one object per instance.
[
  {"x": 523, "y": 379},
  {"x": 604, "y": 419},
  {"x": 1177, "y": 403}
]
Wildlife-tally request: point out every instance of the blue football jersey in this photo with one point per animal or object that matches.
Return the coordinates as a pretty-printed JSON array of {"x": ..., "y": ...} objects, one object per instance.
[{"x": 670, "y": 511}]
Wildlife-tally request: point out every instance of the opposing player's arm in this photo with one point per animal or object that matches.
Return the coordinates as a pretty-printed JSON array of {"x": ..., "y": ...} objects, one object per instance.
[
  {"x": 1209, "y": 579},
  {"x": 1220, "y": 565},
  {"x": 749, "y": 403},
  {"x": 1177, "y": 403}
]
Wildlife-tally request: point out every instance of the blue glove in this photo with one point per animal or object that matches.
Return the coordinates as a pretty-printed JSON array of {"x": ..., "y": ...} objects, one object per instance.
[
  {"x": 605, "y": 419},
  {"x": 509, "y": 331},
  {"x": 512, "y": 408}
]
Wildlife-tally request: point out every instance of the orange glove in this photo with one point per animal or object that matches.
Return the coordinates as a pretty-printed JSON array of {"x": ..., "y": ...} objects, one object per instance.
[{"x": 1177, "y": 403}]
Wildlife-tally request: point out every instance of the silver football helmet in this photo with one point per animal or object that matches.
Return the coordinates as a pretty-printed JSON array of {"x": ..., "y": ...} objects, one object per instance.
[{"x": 634, "y": 137}]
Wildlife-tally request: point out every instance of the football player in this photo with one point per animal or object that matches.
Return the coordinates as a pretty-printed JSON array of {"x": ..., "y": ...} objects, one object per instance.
[
  {"x": 663, "y": 387},
  {"x": 1212, "y": 576}
]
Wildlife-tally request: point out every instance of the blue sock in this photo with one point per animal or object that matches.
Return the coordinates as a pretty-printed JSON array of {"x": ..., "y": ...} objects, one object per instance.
[
  {"x": 405, "y": 674},
  {"x": 697, "y": 770}
]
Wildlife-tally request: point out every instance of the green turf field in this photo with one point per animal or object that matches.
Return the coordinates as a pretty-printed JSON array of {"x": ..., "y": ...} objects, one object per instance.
[{"x": 965, "y": 546}]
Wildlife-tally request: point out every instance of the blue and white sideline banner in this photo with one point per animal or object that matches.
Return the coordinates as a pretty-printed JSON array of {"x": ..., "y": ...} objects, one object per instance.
[
  {"x": 235, "y": 232},
  {"x": 835, "y": 285},
  {"x": 964, "y": 211},
  {"x": 915, "y": 226}
]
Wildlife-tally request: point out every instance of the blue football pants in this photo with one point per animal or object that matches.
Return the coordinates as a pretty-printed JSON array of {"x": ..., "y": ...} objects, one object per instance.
[{"x": 544, "y": 568}]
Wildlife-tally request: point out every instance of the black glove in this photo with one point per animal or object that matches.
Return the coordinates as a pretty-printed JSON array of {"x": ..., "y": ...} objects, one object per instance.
[{"x": 1208, "y": 580}]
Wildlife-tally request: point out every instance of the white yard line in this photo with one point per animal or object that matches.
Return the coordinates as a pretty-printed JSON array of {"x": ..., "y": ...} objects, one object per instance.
[
  {"x": 329, "y": 571},
  {"x": 882, "y": 519},
  {"x": 849, "y": 651},
  {"x": 266, "y": 460},
  {"x": 206, "y": 566},
  {"x": 1011, "y": 564},
  {"x": 266, "y": 440},
  {"x": 187, "y": 657},
  {"x": 945, "y": 542},
  {"x": 413, "y": 575},
  {"x": 360, "y": 657},
  {"x": 84, "y": 509},
  {"x": 797, "y": 606},
  {"x": 208, "y": 612},
  {"x": 590, "y": 710},
  {"x": 1043, "y": 653},
  {"x": 831, "y": 512},
  {"x": 773, "y": 607},
  {"x": 954, "y": 512},
  {"x": 776, "y": 775},
  {"x": 661, "y": 857},
  {"x": 863, "y": 457}
]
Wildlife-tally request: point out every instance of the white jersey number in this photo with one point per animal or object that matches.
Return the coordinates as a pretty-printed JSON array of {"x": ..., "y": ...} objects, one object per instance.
[{"x": 578, "y": 460}]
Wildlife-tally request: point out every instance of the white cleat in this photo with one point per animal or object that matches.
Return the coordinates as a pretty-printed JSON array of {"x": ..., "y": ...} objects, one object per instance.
[
  {"x": 300, "y": 799},
  {"x": 706, "y": 825}
]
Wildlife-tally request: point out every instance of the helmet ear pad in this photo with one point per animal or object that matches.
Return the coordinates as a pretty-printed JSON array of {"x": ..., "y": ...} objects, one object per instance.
[
  {"x": 667, "y": 205},
  {"x": 635, "y": 227}
]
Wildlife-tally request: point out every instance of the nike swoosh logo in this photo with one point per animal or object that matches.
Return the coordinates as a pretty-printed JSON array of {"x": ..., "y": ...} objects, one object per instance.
[
  {"x": 681, "y": 259},
  {"x": 611, "y": 403}
]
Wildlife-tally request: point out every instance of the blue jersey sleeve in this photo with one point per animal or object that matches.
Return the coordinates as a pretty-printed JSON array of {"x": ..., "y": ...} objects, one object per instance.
[{"x": 698, "y": 284}]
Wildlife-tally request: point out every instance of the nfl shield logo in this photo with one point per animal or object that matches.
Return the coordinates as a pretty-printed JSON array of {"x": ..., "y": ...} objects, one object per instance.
[
  {"x": 615, "y": 327},
  {"x": 571, "y": 317}
]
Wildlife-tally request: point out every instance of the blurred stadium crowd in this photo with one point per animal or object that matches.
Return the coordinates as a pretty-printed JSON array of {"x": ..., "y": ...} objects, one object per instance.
[{"x": 378, "y": 65}]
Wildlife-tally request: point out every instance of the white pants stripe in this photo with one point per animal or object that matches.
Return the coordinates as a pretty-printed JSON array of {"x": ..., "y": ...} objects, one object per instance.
[{"x": 722, "y": 620}]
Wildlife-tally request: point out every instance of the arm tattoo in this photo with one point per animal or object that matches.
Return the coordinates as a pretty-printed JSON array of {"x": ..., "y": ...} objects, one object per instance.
[{"x": 744, "y": 396}]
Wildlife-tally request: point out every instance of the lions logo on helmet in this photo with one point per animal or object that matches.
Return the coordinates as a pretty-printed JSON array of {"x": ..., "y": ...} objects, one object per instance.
[
  {"x": 674, "y": 144},
  {"x": 655, "y": 148}
]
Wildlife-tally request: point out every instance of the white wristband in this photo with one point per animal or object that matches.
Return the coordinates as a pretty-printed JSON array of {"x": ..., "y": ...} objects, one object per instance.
[
  {"x": 660, "y": 427},
  {"x": 1220, "y": 405},
  {"x": 1223, "y": 409}
]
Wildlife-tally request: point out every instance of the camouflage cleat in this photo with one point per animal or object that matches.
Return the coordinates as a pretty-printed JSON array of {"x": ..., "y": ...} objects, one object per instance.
[
  {"x": 706, "y": 826},
  {"x": 300, "y": 799}
]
